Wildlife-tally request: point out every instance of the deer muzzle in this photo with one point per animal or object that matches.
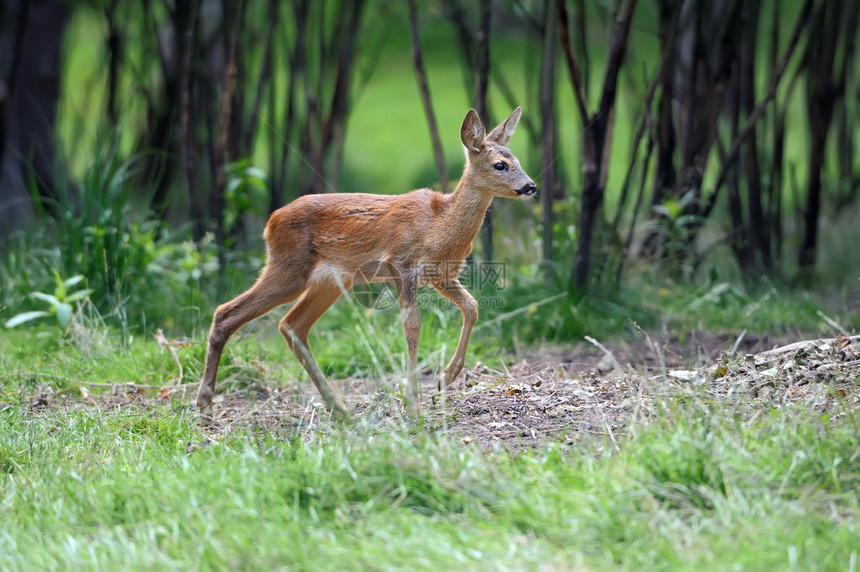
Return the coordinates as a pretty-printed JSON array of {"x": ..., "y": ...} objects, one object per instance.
[{"x": 528, "y": 189}]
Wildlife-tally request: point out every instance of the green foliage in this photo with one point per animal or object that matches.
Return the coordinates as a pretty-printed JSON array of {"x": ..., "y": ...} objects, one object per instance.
[
  {"x": 138, "y": 269},
  {"x": 60, "y": 303},
  {"x": 674, "y": 230},
  {"x": 246, "y": 192}
]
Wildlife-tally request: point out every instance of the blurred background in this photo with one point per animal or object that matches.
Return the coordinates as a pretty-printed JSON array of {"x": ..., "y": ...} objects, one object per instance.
[{"x": 689, "y": 153}]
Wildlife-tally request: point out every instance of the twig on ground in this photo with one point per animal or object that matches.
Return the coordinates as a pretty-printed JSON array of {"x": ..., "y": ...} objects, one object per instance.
[{"x": 608, "y": 353}]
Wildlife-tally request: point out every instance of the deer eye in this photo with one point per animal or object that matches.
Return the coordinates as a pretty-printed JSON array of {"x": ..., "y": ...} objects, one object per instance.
[{"x": 500, "y": 166}]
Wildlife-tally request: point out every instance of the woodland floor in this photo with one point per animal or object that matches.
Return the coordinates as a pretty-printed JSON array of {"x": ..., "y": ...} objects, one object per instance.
[{"x": 549, "y": 395}]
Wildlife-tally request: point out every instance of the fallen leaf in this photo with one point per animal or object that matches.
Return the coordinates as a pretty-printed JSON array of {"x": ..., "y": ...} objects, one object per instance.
[{"x": 164, "y": 393}]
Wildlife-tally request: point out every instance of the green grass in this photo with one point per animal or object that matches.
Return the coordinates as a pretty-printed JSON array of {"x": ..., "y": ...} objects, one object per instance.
[
  {"x": 701, "y": 486},
  {"x": 351, "y": 340},
  {"x": 698, "y": 488}
]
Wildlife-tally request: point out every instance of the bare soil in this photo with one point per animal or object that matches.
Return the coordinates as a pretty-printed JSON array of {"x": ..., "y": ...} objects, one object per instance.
[{"x": 553, "y": 394}]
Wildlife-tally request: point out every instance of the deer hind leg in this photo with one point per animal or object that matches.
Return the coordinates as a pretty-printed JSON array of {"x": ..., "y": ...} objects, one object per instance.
[
  {"x": 461, "y": 298},
  {"x": 295, "y": 328},
  {"x": 407, "y": 294},
  {"x": 269, "y": 291}
]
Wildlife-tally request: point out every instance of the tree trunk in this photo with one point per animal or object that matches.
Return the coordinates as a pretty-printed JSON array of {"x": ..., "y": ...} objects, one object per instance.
[
  {"x": 424, "y": 89},
  {"x": 114, "y": 52},
  {"x": 739, "y": 242},
  {"x": 549, "y": 178},
  {"x": 482, "y": 67},
  {"x": 596, "y": 134},
  {"x": 196, "y": 212},
  {"x": 833, "y": 27},
  {"x": 665, "y": 176},
  {"x": 758, "y": 229},
  {"x": 15, "y": 207},
  {"x": 33, "y": 32}
]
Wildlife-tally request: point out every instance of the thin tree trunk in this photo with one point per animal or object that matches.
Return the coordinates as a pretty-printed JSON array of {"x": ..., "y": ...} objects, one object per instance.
[
  {"x": 482, "y": 66},
  {"x": 756, "y": 114},
  {"x": 740, "y": 243},
  {"x": 833, "y": 28},
  {"x": 340, "y": 100},
  {"x": 114, "y": 47},
  {"x": 777, "y": 166},
  {"x": 666, "y": 176},
  {"x": 454, "y": 12},
  {"x": 581, "y": 20},
  {"x": 758, "y": 229},
  {"x": 549, "y": 178},
  {"x": 15, "y": 200},
  {"x": 424, "y": 89},
  {"x": 186, "y": 125},
  {"x": 232, "y": 13},
  {"x": 265, "y": 78},
  {"x": 596, "y": 135},
  {"x": 662, "y": 77},
  {"x": 628, "y": 242},
  {"x": 33, "y": 64}
]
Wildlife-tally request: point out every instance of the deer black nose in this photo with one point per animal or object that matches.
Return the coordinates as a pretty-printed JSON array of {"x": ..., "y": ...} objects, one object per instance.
[{"x": 528, "y": 189}]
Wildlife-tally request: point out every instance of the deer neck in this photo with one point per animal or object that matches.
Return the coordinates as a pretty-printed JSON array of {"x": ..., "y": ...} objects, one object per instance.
[{"x": 468, "y": 205}]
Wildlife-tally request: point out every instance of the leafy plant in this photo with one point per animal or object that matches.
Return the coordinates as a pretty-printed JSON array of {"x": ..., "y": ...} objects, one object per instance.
[
  {"x": 246, "y": 192},
  {"x": 675, "y": 229},
  {"x": 60, "y": 303}
]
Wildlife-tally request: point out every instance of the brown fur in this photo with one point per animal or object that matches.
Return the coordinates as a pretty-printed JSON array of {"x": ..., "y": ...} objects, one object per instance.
[{"x": 320, "y": 245}]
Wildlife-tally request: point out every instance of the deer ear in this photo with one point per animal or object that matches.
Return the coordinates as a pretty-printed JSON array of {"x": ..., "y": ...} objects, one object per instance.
[
  {"x": 503, "y": 131},
  {"x": 472, "y": 132}
]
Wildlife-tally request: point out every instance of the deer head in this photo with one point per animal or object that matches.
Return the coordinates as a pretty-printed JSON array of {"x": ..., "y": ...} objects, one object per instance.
[{"x": 490, "y": 166}]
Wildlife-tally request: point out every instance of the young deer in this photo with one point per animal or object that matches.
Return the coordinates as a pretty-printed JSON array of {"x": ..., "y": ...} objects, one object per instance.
[{"x": 318, "y": 246}]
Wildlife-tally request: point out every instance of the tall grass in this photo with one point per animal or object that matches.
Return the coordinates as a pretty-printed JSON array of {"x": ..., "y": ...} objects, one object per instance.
[{"x": 698, "y": 489}]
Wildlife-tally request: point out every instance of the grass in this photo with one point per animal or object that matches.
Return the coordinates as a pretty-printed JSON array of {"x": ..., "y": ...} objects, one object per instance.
[
  {"x": 698, "y": 488},
  {"x": 704, "y": 485}
]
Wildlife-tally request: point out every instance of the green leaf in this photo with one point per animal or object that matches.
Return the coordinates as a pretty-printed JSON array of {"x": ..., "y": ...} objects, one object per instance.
[
  {"x": 52, "y": 300},
  {"x": 25, "y": 317},
  {"x": 255, "y": 173},
  {"x": 73, "y": 280},
  {"x": 232, "y": 185},
  {"x": 64, "y": 315},
  {"x": 79, "y": 295},
  {"x": 61, "y": 289}
]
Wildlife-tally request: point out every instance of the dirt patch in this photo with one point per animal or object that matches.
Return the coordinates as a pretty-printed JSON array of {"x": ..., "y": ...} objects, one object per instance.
[
  {"x": 554, "y": 395},
  {"x": 546, "y": 395},
  {"x": 534, "y": 401}
]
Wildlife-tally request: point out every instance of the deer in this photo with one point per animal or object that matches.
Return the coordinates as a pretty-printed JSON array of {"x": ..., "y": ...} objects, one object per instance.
[{"x": 319, "y": 245}]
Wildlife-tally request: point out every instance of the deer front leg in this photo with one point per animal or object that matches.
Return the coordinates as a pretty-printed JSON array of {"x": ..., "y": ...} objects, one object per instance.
[
  {"x": 407, "y": 293},
  {"x": 295, "y": 328},
  {"x": 461, "y": 298}
]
